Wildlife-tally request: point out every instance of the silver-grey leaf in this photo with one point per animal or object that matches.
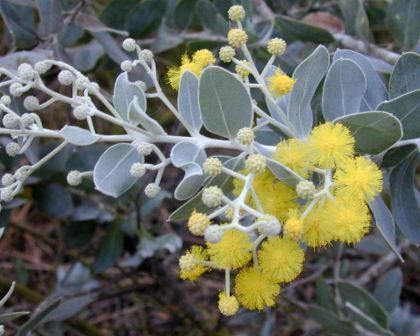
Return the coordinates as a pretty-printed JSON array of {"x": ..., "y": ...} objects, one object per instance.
[
  {"x": 188, "y": 105},
  {"x": 191, "y": 183},
  {"x": 136, "y": 115},
  {"x": 78, "y": 136}
]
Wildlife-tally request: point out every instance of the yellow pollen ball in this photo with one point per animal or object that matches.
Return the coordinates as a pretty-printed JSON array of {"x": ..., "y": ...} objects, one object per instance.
[
  {"x": 228, "y": 305},
  {"x": 317, "y": 230},
  {"x": 254, "y": 290},
  {"x": 232, "y": 251},
  {"x": 294, "y": 153},
  {"x": 189, "y": 263},
  {"x": 281, "y": 259},
  {"x": 359, "y": 178},
  {"x": 331, "y": 145},
  {"x": 280, "y": 83},
  {"x": 203, "y": 58},
  {"x": 293, "y": 229}
]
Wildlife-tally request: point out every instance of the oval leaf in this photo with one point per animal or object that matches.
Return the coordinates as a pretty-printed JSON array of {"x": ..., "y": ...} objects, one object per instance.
[
  {"x": 406, "y": 75},
  {"x": 184, "y": 153},
  {"x": 407, "y": 109},
  {"x": 188, "y": 105},
  {"x": 225, "y": 103},
  {"x": 136, "y": 115},
  {"x": 111, "y": 174},
  {"x": 374, "y": 131},
  {"x": 78, "y": 136},
  {"x": 344, "y": 88},
  {"x": 308, "y": 75},
  {"x": 191, "y": 182}
]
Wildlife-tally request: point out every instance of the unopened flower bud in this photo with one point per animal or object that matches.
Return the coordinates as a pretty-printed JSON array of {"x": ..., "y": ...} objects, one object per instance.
[
  {"x": 226, "y": 54},
  {"x": 245, "y": 136},
  {"x": 236, "y": 13},
  {"x": 228, "y": 305},
  {"x": 241, "y": 69},
  {"x": 147, "y": 55},
  {"x": 212, "y": 196},
  {"x": 212, "y": 166},
  {"x": 152, "y": 190},
  {"x": 12, "y": 149},
  {"x": 187, "y": 262},
  {"x": 270, "y": 227},
  {"x": 81, "y": 112},
  {"x": 25, "y": 71},
  {"x": 129, "y": 44},
  {"x": 22, "y": 173},
  {"x": 137, "y": 170},
  {"x": 10, "y": 121},
  {"x": 82, "y": 83},
  {"x": 144, "y": 148},
  {"x": 6, "y": 100},
  {"x": 27, "y": 119},
  {"x": 6, "y": 194},
  {"x": 7, "y": 179},
  {"x": 65, "y": 77},
  {"x": 237, "y": 37},
  {"x": 74, "y": 178},
  {"x": 42, "y": 67},
  {"x": 305, "y": 189},
  {"x": 31, "y": 103},
  {"x": 126, "y": 66},
  {"x": 276, "y": 46},
  {"x": 213, "y": 234},
  {"x": 16, "y": 89},
  {"x": 255, "y": 163},
  {"x": 198, "y": 223}
]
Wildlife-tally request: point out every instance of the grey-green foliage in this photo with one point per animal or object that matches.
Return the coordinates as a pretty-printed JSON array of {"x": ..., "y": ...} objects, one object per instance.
[{"x": 188, "y": 105}]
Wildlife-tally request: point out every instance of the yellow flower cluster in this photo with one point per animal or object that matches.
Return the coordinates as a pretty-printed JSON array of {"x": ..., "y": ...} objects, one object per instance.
[
  {"x": 200, "y": 59},
  {"x": 280, "y": 84}
]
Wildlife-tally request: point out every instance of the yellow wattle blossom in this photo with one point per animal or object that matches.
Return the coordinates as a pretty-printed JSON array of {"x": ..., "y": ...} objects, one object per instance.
[
  {"x": 295, "y": 154},
  {"x": 189, "y": 263},
  {"x": 254, "y": 290},
  {"x": 350, "y": 219},
  {"x": 281, "y": 259},
  {"x": 200, "y": 60},
  {"x": 198, "y": 223},
  {"x": 359, "y": 178},
  {"x": 232, "y": 251},
  {"x": 317, "y": 227},
  {"x": 275, "y": 197},
  {"x": 331, "y": 145},
  {"x": 228, "y": 305},
  {"x": 293, "y": 228},
  {"x": 280, "y": 84}
]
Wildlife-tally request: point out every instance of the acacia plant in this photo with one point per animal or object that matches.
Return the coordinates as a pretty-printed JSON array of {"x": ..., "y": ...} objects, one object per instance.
[{"x": 301, "y": 175}]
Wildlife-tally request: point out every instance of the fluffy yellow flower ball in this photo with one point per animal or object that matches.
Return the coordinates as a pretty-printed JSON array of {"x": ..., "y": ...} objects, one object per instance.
[
  {"x": 189, "y": 263},
  {"x": 254, "y": 290},
  {"x": 331, "y": 145},
  {"x": 293, "y": 228},
  {"x": 317, "y": 230},
  {"x": 232, "y": 251},
  {"x": 281, "y": 259},
  {"x": 280, "y": 84},
  {"x": 359, "y": 178},
  {"x": 294, "y": 153}
]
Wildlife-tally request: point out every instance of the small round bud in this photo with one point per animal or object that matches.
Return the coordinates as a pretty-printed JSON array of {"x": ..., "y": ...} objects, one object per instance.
[
  {"x": 22, "y": 173},
  {"x": 16, "y": 89},
  {"x": 293, "y": 229},
  {"x": 144, "y": 148},
  {"x": 212, "y": 166},
  {"x": 7, "y": 179},
  {"x": 82, "y": 83},
  {"x": 6, "y": 194},
  {"x": 126, "y": 66},
  {"x": 31, "y": 103},
  {"x": 271, "y": 226},
  {"x": 212, "y": 196},
  {"x": 305, "y": 189},
  {"x": 65, "y": 77},
  {"x": 10, "y": 121},
  {"x": 237, "y": 37},
  {"x": 42, "y": 67},
  {"x": 6, "y": 100},
  {"x": 137, "y": 170},
  {"x": 152, "y": 190},
  {"x": 147, "y": 55},
  {"x": 187, "y": 262},
  {"x": 241, "y": 70},
  {"x": 27, "y": 119},
  {"x": 226, "y": 54},
  {"x": 213, "y": 234},
  {"x": 236, "y": 13},
  {"x": 12, "y": 149},
  {"x": 256, "y": 163},
  {"x": 81, "y": 112},
  {"x": 129, "y": 44},
  {"x": 228, "y": 305},
  {"x": 25, "y": 71},
  {"x": 74, "y": 178},
  {"x": 198, "y": 223},
  {"x": 245, "y": 136},
  {"x": 276, "y": 46}
]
